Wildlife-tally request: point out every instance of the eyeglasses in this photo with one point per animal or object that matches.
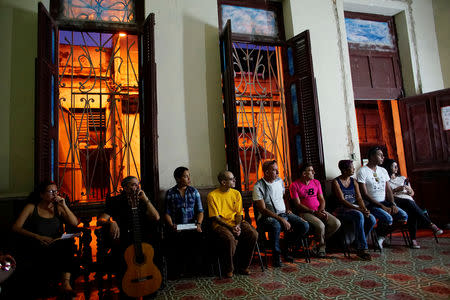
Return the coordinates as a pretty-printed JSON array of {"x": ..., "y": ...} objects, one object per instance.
[
  {"x": 53, "y": 192},
  {"x": 232, "y": 178},
  {"x": 376, "y": 177}
]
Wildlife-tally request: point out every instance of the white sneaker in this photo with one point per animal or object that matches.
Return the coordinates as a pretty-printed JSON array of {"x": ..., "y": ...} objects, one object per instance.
[
  {"x": 380, "y": 241},
  {"x": 415, "y": 244}
]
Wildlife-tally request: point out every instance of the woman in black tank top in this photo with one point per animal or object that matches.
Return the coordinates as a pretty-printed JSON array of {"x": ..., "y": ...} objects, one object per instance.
[
  {"x": 351, "y": 208},
  {"x": 41, "y": 225}
]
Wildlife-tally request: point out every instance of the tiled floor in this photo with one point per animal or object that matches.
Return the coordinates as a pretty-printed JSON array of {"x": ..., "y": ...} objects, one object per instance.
[{"x": 397, "y": 273}]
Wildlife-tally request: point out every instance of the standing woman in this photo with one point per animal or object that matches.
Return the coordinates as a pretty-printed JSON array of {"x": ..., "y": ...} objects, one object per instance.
[
  {"x": 41, "y": 224},
  {"x": 351, "y": 208},
  {"x": 403, "y": 194}
]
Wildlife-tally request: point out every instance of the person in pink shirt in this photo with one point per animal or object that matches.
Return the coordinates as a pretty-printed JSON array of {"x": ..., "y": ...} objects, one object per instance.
[{"x": 307, "y": 198}]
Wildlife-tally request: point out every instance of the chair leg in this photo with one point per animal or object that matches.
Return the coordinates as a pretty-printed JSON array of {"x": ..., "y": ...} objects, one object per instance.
[
  {"x": 219, "y": 267},
  {"x": 305, "y": 246},
  {"x": 408, "y": 238},
  {"x": 404, "y": 238},
  {"x": 346, "y": 248},
  {"x": 262, "y": 243},
  {"x": 164, "y": 270},
  {"x": 259, "y": 256},
  {"x": 374, "y": 236}
]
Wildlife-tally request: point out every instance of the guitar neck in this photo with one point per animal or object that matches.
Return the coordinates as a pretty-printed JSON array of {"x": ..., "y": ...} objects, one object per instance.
[{"x": 136, "y": 229}]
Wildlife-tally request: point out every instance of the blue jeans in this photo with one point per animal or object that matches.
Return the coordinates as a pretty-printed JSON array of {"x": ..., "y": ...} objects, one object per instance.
[
  {"x": 274, "y": 227},
  {"x": 362, "y": 225},
  {"x": 384, "y": 217}
]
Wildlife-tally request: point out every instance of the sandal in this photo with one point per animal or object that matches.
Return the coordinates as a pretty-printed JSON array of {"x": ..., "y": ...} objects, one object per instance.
[{"x": 436, "y": 230}]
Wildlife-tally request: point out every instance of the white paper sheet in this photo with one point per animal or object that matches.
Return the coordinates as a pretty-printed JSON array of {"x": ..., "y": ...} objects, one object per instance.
[
  {"x": 69, "y": 235},
  {"x": 190, "y": 226}
]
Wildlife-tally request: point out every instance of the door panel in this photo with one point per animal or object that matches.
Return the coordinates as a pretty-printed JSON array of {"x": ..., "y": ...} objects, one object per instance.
[
  {"x": 46, "y": 128},
  {"x": 229, "y": 104},
  {"x": 149, "y": 120},
  {"x": 427, "y": 151},
  {"x": 302, "y": 108}
]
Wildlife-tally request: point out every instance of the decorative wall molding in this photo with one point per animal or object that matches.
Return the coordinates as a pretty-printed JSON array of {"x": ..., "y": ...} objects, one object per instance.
[
  {"x": 345, "y": 81},
  {"x": 347, "y": 98}
]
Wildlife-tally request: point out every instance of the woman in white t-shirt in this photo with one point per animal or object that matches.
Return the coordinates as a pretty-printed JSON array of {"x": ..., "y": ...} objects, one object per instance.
[{"x": 403, "y": 197}]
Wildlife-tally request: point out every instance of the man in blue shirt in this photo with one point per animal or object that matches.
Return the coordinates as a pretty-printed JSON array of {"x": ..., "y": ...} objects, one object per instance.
[
  {"x": 183, "y": 202},
  {"x": 183, "y": 205}
]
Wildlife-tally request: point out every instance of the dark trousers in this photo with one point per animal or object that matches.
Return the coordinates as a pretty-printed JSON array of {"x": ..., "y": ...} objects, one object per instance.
[
  {"x": 40, "y": 267},
  {"x": 241, "y": 247},
  {"x": 415, "y": 215},
  {"x": 183, "y": 250}
]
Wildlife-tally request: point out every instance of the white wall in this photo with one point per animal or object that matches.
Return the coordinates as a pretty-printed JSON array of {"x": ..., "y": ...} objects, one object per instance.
[
  {"x": 190, "y": 123},
  {"x": 427, "y": 48},
  {"x": 6, "y": 20},
  {"x": 18, "y": 49},
  {"x": 332, "y": 72},
  {"x": 442, "y": 22}
]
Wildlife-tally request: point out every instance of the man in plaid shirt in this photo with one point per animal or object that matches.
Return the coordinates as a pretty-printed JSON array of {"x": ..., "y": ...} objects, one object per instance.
[{"x": 183, "y": 205}]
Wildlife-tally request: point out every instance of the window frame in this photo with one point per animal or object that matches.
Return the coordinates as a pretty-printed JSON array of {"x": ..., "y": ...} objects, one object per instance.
[
  {"x": 147, "y": 88},
  {"x": 85, "y": 25},
  {"x": 309, "y": 127},
  {"x": 260, "y": 4}
]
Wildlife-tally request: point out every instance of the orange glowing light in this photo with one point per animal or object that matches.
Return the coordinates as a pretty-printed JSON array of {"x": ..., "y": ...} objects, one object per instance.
[{"x": 122, "y": 34}]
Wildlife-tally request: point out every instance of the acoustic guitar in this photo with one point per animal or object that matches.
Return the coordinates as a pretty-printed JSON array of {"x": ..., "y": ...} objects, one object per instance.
[{"x": 142, "y": 276}]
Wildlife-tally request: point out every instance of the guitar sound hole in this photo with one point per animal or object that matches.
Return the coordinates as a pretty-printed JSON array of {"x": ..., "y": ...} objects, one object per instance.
[{"x": 140, "y": 260}]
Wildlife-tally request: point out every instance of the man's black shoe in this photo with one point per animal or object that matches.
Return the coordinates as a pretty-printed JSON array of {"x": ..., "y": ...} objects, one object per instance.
[{"x": 276, "y": 260}]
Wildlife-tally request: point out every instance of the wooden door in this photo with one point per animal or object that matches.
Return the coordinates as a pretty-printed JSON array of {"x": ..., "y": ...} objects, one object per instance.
[
  {"x": 46, "y": 105},
  {"x": 149, "y": 111},
  {"x": 229, "y": 104},
  {"x": 302, "y": 108},
  {"x": 427, "y": 151}
]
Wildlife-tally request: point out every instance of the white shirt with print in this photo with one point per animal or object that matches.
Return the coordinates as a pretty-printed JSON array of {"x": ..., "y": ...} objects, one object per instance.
[{"x": 375, "y": 181}]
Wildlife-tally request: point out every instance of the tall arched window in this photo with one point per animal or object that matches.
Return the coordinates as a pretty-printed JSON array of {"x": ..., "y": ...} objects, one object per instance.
[{"x": 96, "y": 98}]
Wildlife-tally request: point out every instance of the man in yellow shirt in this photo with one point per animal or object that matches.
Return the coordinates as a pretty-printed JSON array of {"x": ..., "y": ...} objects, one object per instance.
[{"x": 234, "y": 234}]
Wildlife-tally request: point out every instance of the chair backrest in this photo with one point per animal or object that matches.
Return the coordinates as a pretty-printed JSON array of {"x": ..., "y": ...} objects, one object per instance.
[{"x": 330, "y": 202}]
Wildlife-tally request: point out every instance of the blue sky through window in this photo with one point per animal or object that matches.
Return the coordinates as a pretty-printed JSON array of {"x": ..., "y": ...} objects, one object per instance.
[
  {"x": 368, "y": 32},
  {"x": 254, "y": 21}
]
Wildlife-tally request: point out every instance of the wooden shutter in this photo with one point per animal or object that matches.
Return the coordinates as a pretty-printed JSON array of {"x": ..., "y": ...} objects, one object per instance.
[
  {"x": 375, "y": 70},
  {"x": 302, "y": 110},
  {"x": 229, "y": 104},
  {"x": 149, "y": 111},
  {"x": 46, "y": 105},
  {"x": 427, "y": 151}
]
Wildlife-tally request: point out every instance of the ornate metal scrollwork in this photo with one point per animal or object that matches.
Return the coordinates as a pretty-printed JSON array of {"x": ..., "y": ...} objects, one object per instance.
[
  {"x": 99, "y": 113},
  {"x": 260, "y": 110}
]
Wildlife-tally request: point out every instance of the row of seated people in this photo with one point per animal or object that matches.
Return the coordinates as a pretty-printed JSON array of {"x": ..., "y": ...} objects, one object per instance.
[{"x": 41, "y": 220}]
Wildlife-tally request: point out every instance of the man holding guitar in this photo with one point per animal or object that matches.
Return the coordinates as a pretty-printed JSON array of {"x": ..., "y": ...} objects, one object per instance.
[{"x": 126, "y": 214}]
